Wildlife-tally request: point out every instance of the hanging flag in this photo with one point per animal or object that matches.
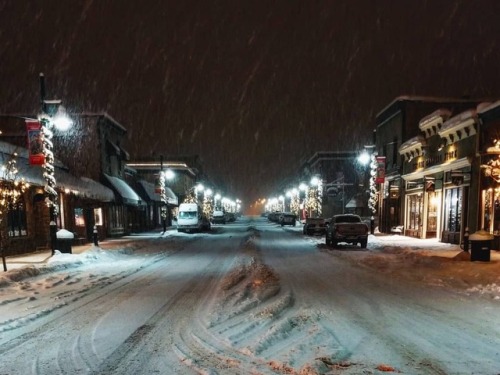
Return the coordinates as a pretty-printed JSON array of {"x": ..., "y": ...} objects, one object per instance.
[
  {"x": 158, "y": 187},
  {"x": 35, "y": 142},
  {"x": 380, "y": 175}
]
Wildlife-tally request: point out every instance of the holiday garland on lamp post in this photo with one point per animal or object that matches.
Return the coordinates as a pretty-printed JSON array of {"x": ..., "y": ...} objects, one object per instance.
[
  {"x": 373, "y": 199},
  {"x": 11, "y": 190}
]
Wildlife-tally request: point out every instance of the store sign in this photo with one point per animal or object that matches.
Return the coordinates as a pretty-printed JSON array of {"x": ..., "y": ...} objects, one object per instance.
[
  {"x": 457, "y": 178},
  {"x": 158, "y": 187},
  {"x": 430, "y": 185},
  {"x": 380, "y": 170},
  {"x": 35, "y": 142}
]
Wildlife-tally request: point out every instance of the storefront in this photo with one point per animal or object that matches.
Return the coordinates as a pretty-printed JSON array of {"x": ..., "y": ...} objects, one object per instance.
[
  {"x": 489, "y": 175},
  {"x": 423, "y": 206},
  {"x": 438, "y": 176},
  {"x": 391, "y": 204}
]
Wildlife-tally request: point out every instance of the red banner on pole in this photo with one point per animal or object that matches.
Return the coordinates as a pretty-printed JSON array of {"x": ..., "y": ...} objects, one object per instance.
[
  {"x": 380, "y": 176},
  {"x": 35, "y": 142}
]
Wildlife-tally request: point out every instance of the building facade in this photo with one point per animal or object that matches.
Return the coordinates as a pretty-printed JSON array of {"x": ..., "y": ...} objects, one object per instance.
[{"x": 396, "y": 124}]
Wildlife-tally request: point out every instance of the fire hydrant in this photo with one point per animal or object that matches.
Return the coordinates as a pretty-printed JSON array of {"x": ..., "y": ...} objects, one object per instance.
[{"x": 95, "y": 236}]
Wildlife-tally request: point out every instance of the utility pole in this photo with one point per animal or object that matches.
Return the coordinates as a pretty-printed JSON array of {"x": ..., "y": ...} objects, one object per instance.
[{"x": 163, "y": 196}]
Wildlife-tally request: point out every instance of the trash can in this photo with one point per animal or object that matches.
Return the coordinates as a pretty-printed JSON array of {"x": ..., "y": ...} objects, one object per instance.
[
  {"x": 480, "y": 243},
  {"x": 64, "y": 240}
]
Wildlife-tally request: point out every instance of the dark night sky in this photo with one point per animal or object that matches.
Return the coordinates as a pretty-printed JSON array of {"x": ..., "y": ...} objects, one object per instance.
[{"x": 253, "y": 87}]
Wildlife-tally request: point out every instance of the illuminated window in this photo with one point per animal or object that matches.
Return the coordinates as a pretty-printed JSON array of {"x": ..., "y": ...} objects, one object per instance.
[
  {"x": 453, "y": 210},
  {"x": 98, "y": 216},
  {"x": 79, "y": 219}
]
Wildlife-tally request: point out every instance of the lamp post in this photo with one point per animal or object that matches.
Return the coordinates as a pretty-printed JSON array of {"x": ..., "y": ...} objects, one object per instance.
[
  {"x": 198, "y": 189},
  {"x": 317, "y": 185},
  {"x": 52, "y": 114},
  {"x": 163, "y": 197},
  {"x": 217, "y": 201},
  {"x": 281, "y": 198},
  {"x": 303, "y": 187},
  {"x": 368, "y": 157}
]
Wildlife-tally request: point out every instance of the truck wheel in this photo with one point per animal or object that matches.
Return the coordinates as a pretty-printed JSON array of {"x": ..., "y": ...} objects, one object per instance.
[{"x": 363, "y": 244}]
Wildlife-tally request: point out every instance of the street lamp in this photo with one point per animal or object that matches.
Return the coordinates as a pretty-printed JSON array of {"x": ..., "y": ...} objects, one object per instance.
[
  {"x": 281, "y": 198},
  {"x": 52, "y": 115},
  {"x": 217, "y": 198},
  {"x": 317, "y": 194},
  {"x": 364, "y": 158},
  {"x": 303, "y": 187},
  {"x": 368, "y": 157}
]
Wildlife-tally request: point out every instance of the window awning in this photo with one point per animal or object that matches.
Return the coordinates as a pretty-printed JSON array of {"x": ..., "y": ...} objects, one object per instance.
[
  {"x": 171, "y": 197},
  {"x": 151, "y": 194},
  {"x": 355, "y": 202},
  {"x": 455, "y": 164},
  {"x": 126, "y": 194},
  {"x": 83, "y": 187},
  {"x": 96, "y": 190}
]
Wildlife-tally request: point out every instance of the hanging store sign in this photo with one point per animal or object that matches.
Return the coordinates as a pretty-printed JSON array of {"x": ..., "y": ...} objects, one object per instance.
[
  {"x": 380, "y": 170},
  {"x": 430, "y": 184},
  {"x": 35, "y": 142},
  {"x": 158, "y": 186}
]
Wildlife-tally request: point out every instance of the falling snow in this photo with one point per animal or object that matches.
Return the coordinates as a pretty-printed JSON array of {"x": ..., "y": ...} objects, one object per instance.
[{"x": 224, "y": 81}]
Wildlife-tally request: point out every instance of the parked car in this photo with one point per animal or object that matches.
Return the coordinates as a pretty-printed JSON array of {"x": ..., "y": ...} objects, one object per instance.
[
  {"x": 274, "y": 216},
  {"x": 230, "y": 217},
  {"x": 314, "y": 225},
  {"x": 191, "y": 218},
  {"x": 288, "y": 219},
  {"x": 218, "y": 217},
  {"x": 347, "y": 228}
]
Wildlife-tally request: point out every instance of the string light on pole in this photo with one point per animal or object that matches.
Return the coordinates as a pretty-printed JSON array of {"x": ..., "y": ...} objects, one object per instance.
[{"x": 53, "y": 114}]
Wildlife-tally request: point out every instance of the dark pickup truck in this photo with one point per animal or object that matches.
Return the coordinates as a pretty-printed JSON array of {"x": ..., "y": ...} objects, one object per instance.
[{"x": 347, "y": 228}]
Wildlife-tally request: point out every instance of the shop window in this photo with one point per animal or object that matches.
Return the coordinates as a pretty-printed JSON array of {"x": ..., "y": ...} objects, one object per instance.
[
  {"x": 16, "y": 219},
  {"x": 490, "y": 218},
  {"x": 415, "y": 204},
  {"x": 453, "y": 210},
  {"x": 116, "y": 217},
  {"x": 432, "y": 212},
  {"x": 98, "y": 216},
  {"x": 79, "y": 219}
]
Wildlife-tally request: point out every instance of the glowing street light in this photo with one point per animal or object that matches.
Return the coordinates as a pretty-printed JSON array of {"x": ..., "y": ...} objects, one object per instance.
[{"x": 364, "y": 158}]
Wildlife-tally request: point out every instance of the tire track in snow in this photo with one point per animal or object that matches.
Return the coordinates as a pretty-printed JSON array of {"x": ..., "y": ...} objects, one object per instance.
[{"x": 176, "y": 337}]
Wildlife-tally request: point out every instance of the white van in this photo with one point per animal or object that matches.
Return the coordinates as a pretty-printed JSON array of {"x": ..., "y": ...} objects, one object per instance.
[{"x": 191, "y": 218}]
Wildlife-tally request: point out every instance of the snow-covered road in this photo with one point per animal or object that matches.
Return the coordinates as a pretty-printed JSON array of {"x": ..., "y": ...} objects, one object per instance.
[{"x": 249, "y": 298}]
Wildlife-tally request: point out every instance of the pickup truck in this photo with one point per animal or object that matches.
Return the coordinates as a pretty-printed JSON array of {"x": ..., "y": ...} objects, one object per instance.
[{"x": 347, "y": 228}]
